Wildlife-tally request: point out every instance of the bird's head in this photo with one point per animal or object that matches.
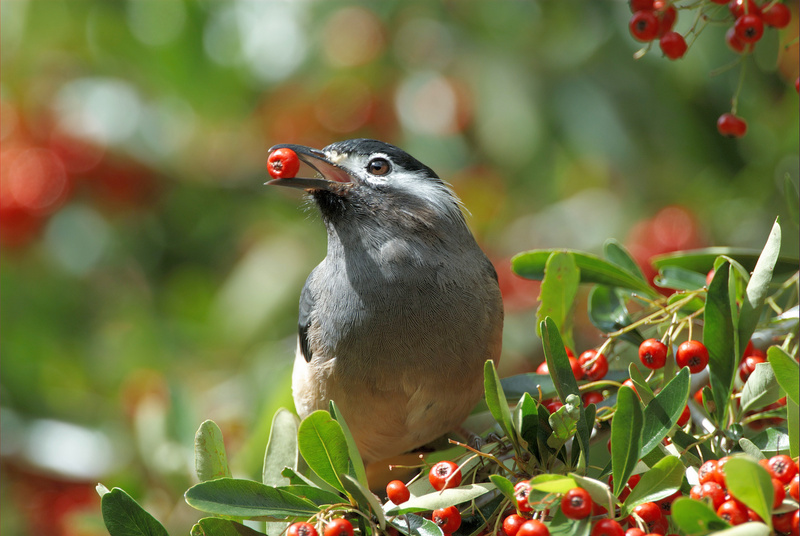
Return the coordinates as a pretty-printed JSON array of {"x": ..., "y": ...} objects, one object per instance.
[{"x": 364, "y": 179}]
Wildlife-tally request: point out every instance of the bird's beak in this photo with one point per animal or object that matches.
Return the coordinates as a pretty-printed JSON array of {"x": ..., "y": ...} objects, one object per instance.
[{"x": 331, "y": 176}]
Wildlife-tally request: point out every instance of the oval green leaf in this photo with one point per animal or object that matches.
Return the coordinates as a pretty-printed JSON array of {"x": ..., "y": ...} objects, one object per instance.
[
  {"x": 324, "y": 448},
  {"x": 662, "y": 480},
  {"x": 210, "y": 459},
  {"x": 626, "y": 437},
  {"x": 247, "y": 498},
  {"x": 281, "y": 449},
  {"x": 661, "y": 414},
  {"x": 696, "y": 518},
  {"x": 123, "y": 516},
  {"x": 751, "y": 484},
  {"x": 441, "y": 499}
]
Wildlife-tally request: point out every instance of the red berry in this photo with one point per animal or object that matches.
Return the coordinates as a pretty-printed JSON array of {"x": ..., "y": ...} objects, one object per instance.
[
  {"x": 738, "y": 46},
  {"x": 512, "y": 523},
  {"x": 666, "y": 503},
  {"x": 713, "y": 491},
  {"x": 673, "y": 45},
  {"x": 733, "y": 512},
  {"x": 749, "y": 28},
  {"x": 780, "y": 493},
  {"x": 552, "y": 405},
  {"x": 666, "y": 16},
  {"x": 649, "y": 512},
  {"x": 301, "y": 529},
  {"x": 709, "y": 472},
  {"x": 783, "y": 468},
  {"x": 444, "y": 474},
  {"x": 686, "y": 414},
  {"x": 592, "y": 397},
  {"x": 731, "y": 126},
  {"x": 743, "y": 7},
  {"x": 533, "y": 527},
  {"x": 692, "y": 354},
  {"x": 776, "y": 15},
  {"x": 782, "y": 522},
  {"x": 629, "y": 383},
  {"x": 644, "y": 26},
  {"x": 397, "y": 492},
  {"x": 448, "y": 519},
  {"x": 794, "y": 487},
  {"x": 521, "y": 492},
  {"x": 748, "y": 365},
  {"x": 634, "y": 531},
  {"x": 339, "y": 527},
  {"x": 283, "y": 163},
  {"x": 542, "y": 368},
  {"x": 576, "y": 503},
  {"x": 607, "y": 527},
  {"x": 577, "y": 371},
  {"x": 653, "y": 353},
  {"x": 593, "y": 364}
]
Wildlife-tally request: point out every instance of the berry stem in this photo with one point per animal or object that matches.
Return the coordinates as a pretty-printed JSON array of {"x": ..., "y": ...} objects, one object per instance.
[{"x": 735, "y": 99}]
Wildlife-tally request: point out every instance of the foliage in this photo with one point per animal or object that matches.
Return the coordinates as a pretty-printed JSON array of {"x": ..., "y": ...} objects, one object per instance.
[{"x": 558, "y": 451}]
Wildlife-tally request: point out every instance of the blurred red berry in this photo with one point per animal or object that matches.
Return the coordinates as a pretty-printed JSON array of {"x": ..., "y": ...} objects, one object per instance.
[
  {"x": 686, "y": 414},
  {"x": 339, "y": 527},
  {"x": 640, "y": 5},
  {"x": 736, "y": 44},
  {"x": 779, "y": 493},
  {"x": 521, "y": 491},
  {"x": 743, "y": 7},
  {"x": 301, "y": 529},
  {"x": 731, "y": 126},
  {"x": 733, "y": 512},
  {"x": 577, "y": 371},
  {"x": 794, "y": 487},
  {"x": 644, "y": 26},
  {"x": 749, "y": 28},
  {"x": 783, "y": 468},
  {"x": 776, "y": 15},
  {"x": 666, "y": 15},
  {"x": 607, "y": 527},
  {"x": 592, "y": 397},
  {"x": 673, "y": 45},
  {"x": 783, "y": 522},
  {"x": 748, "y": 365}
]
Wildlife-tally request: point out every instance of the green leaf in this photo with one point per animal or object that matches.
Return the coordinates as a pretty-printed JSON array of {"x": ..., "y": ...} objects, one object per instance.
[
  {"x": 503, "y": 485},
  {"x": 750, "y": 448},
  {"x": 793, "y": 426},
  {"x": 696, "y": 518},
  {"x": 247, "y": 498},
  {"x": 565, "y": 383},
  {"x": 758, "y": 286},
  {"x": 702, "y": 260},
  {"x": 497, "y": 403},
  {"x": 751, "y": 484},
  {"x": 662, "y": 480},
  {"x": 626, "y": 437},
  {"x": 663, "y": 412},
  {"x": 718, "y": 337},
  {"x": 318, "y": 496},
  {"x": 678, "y": 278},
  {"x": 787, "y": 371},
  {"x": 558, "y": 291},
  {"x": 216, "y": 526},
  {"x": 593, "y": 269},
  {"x": 526, "y": 422},
  {"x": 551, "y": 483},
  {"x": 123, "y": 516},
  {"x": 441, "y": 499},
  {"x": 356, "y": 463},
  {"x": 771, "y": 441},
  {"x": 617, "y": 254},
  {"x": 642, "y": 388},
  {"x": 367, "y": 502},
  {"x": 210, "y": 460},
  {"x": 608, "y": 313},
  {"x": 416, "y": 526},
  {"x": 760, "y": 389},
  {"x": 324, "y": 448},
  {"x": 281, "y": 449}
]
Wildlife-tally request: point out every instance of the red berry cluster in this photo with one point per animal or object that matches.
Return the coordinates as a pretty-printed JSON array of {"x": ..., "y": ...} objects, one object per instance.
[
  {"x": 712, "y": 488},
  {"x": 442, "y": 475},
  {"x": 653, "y": 20},
  {"x": 335, "y": 527}
]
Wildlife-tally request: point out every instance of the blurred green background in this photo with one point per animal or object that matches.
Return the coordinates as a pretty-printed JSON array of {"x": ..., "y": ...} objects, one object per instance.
[{"x": 150, "y": 280}]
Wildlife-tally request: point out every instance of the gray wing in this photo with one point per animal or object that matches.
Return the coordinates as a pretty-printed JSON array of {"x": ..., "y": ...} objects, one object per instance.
[{"x": 304, "y": 320}]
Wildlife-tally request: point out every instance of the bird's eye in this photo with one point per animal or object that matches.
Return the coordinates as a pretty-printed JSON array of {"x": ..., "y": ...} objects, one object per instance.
[{"x": 379, "y": 166}]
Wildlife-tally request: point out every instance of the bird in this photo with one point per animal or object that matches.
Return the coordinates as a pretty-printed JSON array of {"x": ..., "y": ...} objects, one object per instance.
[{"x": 397, "y": 321}]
